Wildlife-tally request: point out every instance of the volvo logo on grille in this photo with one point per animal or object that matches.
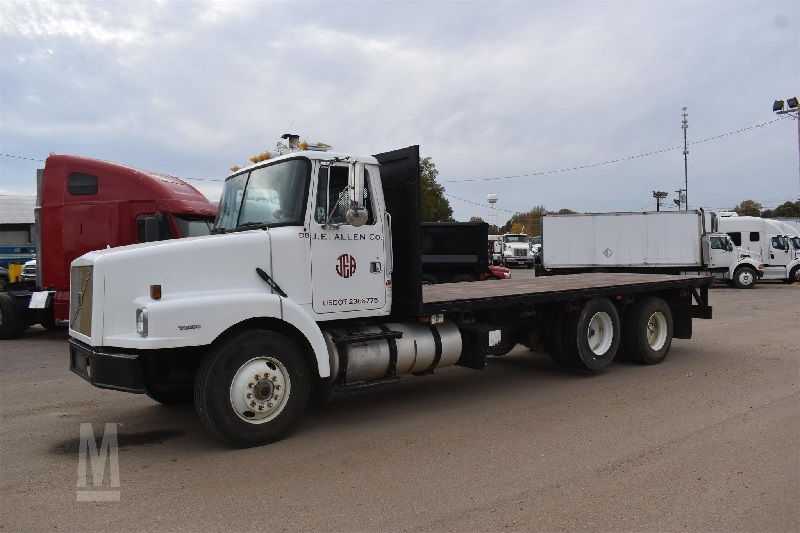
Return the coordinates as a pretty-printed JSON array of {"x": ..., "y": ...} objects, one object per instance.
[
  {"x": 608, "y": 252},
  {"x": 346, "y": 265}
]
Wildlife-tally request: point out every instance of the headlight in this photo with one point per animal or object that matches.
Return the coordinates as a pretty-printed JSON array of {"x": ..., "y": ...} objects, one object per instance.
[{"x": 141, "y": 322}]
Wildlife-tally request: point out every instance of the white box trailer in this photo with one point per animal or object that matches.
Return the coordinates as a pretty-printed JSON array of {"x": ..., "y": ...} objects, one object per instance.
[{"x": 662, "y": 242}]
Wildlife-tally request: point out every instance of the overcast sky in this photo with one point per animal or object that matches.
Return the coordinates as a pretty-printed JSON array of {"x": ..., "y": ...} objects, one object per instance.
[{"x": 486, "y": 88}]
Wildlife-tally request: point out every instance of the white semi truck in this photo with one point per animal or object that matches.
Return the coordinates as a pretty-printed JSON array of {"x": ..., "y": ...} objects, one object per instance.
[
  {"x": 313, "y": 283},
  {"x": 770, "y": 239},
  {"x": 660, "y": 242}
]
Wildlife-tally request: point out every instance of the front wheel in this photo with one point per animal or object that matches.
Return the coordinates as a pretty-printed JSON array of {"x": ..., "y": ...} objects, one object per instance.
[
  {"x": 794, "y": 275},
  {"x": 253, "y": 388},
  {"x": 744, "y": 277}
]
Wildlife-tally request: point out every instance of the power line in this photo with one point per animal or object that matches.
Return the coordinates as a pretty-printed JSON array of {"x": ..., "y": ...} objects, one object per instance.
[
  {"x": 620, "y": 159},
  {"x": 23, "y": 157}
]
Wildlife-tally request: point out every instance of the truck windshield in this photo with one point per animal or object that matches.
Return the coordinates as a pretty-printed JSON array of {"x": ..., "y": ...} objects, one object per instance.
[
  {"x": 272, "y": 195},
  {"x": 516, "y": 238},
  {"x": 192, "y": 227}
]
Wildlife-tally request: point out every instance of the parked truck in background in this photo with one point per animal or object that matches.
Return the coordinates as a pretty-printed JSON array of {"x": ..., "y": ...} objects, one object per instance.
[
  {"x": 312, "y": 282},
  {"x": 516, "y": 250},
  {"x": 85, "y": 204},
  {"x": 456, "y": 251},
  {"x": 659, "y": 242},
  {"x": 768, "y": 239}
]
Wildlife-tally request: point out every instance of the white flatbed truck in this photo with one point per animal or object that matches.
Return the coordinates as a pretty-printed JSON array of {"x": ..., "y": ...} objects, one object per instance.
[{"x": 313, "y": 283}]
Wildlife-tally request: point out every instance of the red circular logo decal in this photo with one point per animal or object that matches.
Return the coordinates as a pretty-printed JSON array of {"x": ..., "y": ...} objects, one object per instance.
[{"x": 346, "y": 265}]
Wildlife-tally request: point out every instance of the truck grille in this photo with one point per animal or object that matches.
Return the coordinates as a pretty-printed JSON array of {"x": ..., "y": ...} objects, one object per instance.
[
  {"x": 520, "y": 252},
  {"x": 80, "y": 300}
]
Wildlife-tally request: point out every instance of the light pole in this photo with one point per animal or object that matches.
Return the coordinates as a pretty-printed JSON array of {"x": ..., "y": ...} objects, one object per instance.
[
  {"x": 685, "y": 126},
  {"x": 659, "y": 195},
  {"x": 792, "y": 109}
]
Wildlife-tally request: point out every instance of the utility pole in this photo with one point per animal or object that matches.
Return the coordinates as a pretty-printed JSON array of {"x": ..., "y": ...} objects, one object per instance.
[
  {"x": 685, "y": 126},
  {"x": 659, "y": 195},
  {"x": 792, "y": 108}
]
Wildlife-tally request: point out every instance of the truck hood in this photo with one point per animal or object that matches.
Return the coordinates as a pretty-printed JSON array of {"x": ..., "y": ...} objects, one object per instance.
[{"x": 183, "y": 267}]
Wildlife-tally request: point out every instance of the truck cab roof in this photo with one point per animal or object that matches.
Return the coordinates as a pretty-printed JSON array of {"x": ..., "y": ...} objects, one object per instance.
[{"x": 313, "y": 155}]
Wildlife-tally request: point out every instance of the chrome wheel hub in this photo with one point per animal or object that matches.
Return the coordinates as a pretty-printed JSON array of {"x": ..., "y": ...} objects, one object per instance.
[{"x": 260, "y": 389}]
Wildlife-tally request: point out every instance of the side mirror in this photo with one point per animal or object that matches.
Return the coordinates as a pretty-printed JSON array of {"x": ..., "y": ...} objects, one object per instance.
[{"x": 357, "y": 214}]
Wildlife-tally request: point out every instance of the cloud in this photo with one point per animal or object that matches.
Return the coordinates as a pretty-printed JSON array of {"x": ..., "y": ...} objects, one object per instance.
[{"x": 505, "y": 88}]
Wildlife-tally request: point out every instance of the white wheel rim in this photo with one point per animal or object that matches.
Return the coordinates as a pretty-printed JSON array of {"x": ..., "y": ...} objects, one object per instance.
[
  {"x": 746, "y": 278},
  {"x": 260, "y": 389},
  {"x": 657, "y": 331},
  {"x": 600, "y": 333}
]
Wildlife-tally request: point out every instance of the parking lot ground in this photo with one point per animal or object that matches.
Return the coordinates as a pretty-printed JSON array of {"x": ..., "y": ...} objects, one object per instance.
[{"x": 707, "y": 441}]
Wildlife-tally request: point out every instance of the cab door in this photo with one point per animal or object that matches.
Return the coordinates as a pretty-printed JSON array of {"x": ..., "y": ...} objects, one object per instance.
[
  {"x": 347, "y": 262},
  {"x": 721, "y": 253},
  {"x": 779, "y": 252}
]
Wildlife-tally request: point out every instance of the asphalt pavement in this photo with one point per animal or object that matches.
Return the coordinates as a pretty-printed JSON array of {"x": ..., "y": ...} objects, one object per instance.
[{"x": 707, "y": 441}]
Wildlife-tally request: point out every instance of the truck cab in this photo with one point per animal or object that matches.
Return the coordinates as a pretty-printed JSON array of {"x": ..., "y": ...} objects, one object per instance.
[
  {"x": 517, "y": 250},
  {"x": 767, "y": 239},
  {"x": 86, "y": 204}
]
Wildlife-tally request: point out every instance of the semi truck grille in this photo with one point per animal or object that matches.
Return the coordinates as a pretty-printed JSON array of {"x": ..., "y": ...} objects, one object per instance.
[
  {"x": 80, "y": 300},
  {"x": 519, "y": 252}
]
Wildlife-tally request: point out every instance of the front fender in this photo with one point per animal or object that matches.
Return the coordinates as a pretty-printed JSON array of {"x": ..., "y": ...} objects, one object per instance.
[{"x": 200, "y": 319}]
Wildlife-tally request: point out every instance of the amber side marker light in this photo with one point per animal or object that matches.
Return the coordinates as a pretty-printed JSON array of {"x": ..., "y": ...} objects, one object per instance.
[{"x": 155, "y": 292}]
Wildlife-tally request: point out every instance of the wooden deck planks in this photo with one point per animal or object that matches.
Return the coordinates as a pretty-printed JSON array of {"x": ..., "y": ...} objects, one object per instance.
[{"x": 480, "y": 290}]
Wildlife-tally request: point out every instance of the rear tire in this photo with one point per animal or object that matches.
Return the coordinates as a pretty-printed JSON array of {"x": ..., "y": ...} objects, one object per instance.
[
  {"x": 589, "y": 339},
  {"x": 11, "y": 324},
  {"x": 648, "y": 330},
  {"x": 744, "y": 277},
  {"x": 253, "y": 388}
]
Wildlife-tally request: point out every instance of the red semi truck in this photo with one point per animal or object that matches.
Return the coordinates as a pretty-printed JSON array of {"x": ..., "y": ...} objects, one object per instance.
[{"x": 86, "y": 204}]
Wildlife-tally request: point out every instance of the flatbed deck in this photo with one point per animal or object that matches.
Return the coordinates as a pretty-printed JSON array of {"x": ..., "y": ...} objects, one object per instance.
[{"x": 467, "y": 296}]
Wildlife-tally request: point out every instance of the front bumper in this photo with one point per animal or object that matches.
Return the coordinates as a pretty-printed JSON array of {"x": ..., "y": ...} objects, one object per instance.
[
  {"x": 117, "y": 371},
  {"x": 518, "y": 260}
]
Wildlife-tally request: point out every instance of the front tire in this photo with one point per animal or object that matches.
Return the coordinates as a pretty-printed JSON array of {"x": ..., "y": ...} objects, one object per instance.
[
  {"x": 253, "y": 388},
  {"x": 794, "y": 275},
  {"x": 648, "y": 330},
  {"x": 744, "y": 277}
]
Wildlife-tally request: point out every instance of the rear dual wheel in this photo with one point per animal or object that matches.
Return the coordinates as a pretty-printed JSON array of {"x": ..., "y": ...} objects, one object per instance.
[
  {"x": 648, "y": 330},
  {"x": 588, "y": 339}
]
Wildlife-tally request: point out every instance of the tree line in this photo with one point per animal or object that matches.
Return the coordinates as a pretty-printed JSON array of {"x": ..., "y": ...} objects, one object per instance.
[{"x": 752, "y": 208}]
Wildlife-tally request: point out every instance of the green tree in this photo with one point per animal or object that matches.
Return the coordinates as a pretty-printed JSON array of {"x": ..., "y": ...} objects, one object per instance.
[
  {"x": 788, "y": 210},
  {"x": 749, "y": 208},
  {"x": 435, "y": 207}
]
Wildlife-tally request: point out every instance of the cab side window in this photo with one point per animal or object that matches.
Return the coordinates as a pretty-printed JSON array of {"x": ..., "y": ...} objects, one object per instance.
[
  {"x": 736, "y": 237},
  {"x": 79, "y": 184},
  {"x": 717, "y": 243},
  {"x": 333, "y": 196},
  {"x": 755, "y": 236}
]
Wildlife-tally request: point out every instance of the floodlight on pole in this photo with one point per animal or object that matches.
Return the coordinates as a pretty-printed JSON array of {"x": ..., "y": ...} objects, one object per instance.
[
  {"x": 792, "y": 108},
  {"x": 659, "y": 195}
]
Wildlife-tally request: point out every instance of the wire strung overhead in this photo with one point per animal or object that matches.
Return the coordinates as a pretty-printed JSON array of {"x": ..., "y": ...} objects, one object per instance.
[{"x": 619, "y": 159}]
